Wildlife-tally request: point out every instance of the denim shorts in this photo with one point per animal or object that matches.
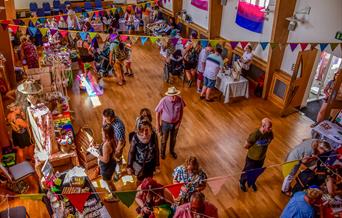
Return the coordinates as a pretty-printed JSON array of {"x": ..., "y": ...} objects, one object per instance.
[{"x": 210, "y": 83}]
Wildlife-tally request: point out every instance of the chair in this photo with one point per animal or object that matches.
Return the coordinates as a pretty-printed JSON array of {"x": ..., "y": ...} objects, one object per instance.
[
  {"x": 47, "y": 8},
  {"x": 17, "y": 173},
  {"x": 56, "y": 4},
  {"x": 88, "y": 6},
  {"x": 78, "y": 10},
  {"x": 33, "y": 7},
  {"x": 17, "y": 212},
  {"x": 98, "y": 5},
  {"x": 40, "y": 12}
]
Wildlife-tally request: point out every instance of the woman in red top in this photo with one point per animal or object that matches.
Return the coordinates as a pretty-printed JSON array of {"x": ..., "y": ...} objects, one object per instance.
[{"x": 29, "y": 53}]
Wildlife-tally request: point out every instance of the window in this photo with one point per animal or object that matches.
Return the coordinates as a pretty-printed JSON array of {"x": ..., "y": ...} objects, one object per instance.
[{"x": 260, "y": 3}]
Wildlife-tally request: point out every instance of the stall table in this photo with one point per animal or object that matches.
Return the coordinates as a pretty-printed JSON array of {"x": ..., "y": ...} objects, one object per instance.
[
  {"x": 123, "y": 26},
  {"x": 331, "y": 132},
  {"x": 231, "y": 88}
]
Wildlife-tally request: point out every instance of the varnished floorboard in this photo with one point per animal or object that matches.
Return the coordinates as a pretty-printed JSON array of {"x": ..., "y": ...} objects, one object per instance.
[{"x": 213, "y": 132}]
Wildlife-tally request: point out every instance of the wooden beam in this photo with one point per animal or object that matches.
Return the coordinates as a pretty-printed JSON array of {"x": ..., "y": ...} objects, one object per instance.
[
  {"x": 177, "y": 6},
  {"x": 280, "y": 33},
  {"x": 215, "y": 17}
]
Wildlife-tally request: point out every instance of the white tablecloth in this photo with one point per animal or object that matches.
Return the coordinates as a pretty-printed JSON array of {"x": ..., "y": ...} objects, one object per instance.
[
  {"x": 123, "y": 26},
  {"x": 231, "y": 88},
  {"x": 328, "y": 131}
]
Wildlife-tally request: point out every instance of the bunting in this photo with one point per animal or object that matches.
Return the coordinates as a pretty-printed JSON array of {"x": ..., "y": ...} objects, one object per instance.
[
  {"x": 123, "y": 38},
  {"x": 134, "y": 39},
  {"x": 65, "y": 17},
  {"x": 213, "y": 43},
  {"x": 233, "y": 44},
  {"x": 174, "y": 41},
  {"x": 204, "y": 43},
  {"x": 103, "y": 36},
  {"x": 83, "y": 35},
  {"x": 244, "y": 44},
  {"x": 32, "y": 31},
  {"x": 13, "y": 28},
  {"x": 64, "y": 33},
  {"x": 34, "y": 20},
  {"x": 274, "y": 45},
  {"x": 4, "y": 24},
  {"x": 216, "y": 184},
  {"x": 17, "y": 22},
  {"x": 113, "y": 37},
  {"x": 322, "y": 46},
  {"x": 293, "y": 46},
  {"x": 57, "y": 17},
  {"x": 153, "y": 39},
  {"x": 263, "y": 45},
  {"x": 53, "y": 31},
  {"x": 286, "y": 168},
  {"x": 333, "y": 46},
  {"x": 184, "y": 41},
  {"x": 78, "y": 200},
  {"x": 92, "y": 35},
  {"x": 127, "y": 198},
  {"x": 23, "y": 29},
  {"x": 313, "y": 45},
  {"x": 174, "y": 189},
  {"x": 303, "y": 46},
  {"x": 38, "y": 196}
]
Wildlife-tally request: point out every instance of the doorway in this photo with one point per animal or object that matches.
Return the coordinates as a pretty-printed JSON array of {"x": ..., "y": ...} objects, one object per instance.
[{"x": 327, "y": 66}]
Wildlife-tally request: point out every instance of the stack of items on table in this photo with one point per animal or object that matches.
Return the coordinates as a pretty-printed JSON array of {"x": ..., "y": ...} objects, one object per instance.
[
  {"x": 71, "y": 194},
  {"x": 159, "y": 28}
]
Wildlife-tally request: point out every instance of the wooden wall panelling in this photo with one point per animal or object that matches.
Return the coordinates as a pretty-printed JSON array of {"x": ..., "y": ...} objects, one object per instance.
[
  {"x": 283, "y": 9},
  {"x": 279, "y": 88},
  {"x": 215, "y": 17}
]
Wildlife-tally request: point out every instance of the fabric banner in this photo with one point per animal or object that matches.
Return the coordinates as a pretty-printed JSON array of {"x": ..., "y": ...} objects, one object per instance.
[
  {"x": 174, "y": 41},
  {"x": 57, "y": 17},
  {"x": 287, "y": 167},
  {"x": 216, "y": 184},
  {"x": 64, "y": 33},
  {"x": 174, "y": 189},
  {"x": 322, "y": 46},
  {"x": 78, "y": 200},
  {"x": 204, "y": 43},
  {"x": 38, "y": 196},
  {"x": 153, "y": 39},
  {"x": 244, "y": 44},
  {"x": 32, "y": 31},
  {"x": 23, "y": 29},
  {"x": 253, "y": 175},
  {"x": 333, "y": 46},
  {"x": 123, "y": 38},
  {"x": 233, "y": 44},
  {"x": 53, "y": 31},
  {"x": 313, "y": 45},
  {"x": 113, "y": 36},
  {"x": 103, "y": 36},
  {"x": 184, "y": 41},
  {"x": 4, "y": 24},
  {"x": 65, "y": 18},
  {"x": 83, "y": 35},
  {"x": 250, "y": 17},
  {"x": 143, "y": 40},
  {"x": 201, "y": 4},
  {"x": 293, "y": 46},
  {"x": 134, "y": 39},
  {"x": 263, "y": 45},
  {"x": 42, "y": 20},
  {"x": 127, "y": 198},
  {"x": 303, "y": 46},
  {"x": 213, "y": 43},
  {"x": 274, "y": 45},
  {"x": 14, "y": 28},
  {"x": 92, "y": 35}
]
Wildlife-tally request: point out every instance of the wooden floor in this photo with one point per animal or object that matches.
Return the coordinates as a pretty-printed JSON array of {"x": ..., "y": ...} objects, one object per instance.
[{"x": 213, "y": 132}]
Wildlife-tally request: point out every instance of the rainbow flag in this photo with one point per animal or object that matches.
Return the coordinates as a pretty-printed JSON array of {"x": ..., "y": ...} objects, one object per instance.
[
  {"x": 201, "y": 4},
  {"x": 250, "y": 17}
]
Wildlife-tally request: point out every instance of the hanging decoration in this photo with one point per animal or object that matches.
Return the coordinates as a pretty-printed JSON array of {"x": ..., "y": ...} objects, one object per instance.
[
  {"x": 201, "y": 4},
  {"x": 127, "y": 198},
  {"x": 250, "y": 17}
]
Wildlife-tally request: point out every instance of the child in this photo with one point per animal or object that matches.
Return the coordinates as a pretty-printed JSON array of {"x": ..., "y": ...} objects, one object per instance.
[{"x": 128, "y": 61}]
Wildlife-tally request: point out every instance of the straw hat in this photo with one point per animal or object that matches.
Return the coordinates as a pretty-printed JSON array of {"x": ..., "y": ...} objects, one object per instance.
[{"x": 172, "y": 91}]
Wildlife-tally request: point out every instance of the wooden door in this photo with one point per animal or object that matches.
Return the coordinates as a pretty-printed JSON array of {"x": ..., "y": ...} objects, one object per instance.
[
  {"x": 335, "y": 99},
  {"x": 299, "y": 81}
]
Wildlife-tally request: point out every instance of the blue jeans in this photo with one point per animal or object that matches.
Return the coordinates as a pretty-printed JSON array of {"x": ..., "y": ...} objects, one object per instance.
[{"x": 168, "y": 129}]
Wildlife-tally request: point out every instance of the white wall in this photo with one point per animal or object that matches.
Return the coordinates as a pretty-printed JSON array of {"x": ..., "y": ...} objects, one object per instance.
[
  {"x": 321, "y": 25},
  {"x": 231, "y": 31},
  {"x": 24, "y": 4},
  {"x": 199, "y": 17},
  {"x": 168, "y": 4}
]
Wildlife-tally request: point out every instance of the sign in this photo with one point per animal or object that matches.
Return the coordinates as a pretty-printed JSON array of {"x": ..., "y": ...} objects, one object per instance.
[{"x": 338, "y": 36}]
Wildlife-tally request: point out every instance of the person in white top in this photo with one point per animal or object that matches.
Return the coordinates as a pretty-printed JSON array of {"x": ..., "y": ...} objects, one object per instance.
[
  {"x": 247, "y": 58},
  {"x": 201, "y": 65}
]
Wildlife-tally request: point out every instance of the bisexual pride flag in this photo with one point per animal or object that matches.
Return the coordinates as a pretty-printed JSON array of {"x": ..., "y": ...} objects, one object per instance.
[
  {"x": 250, "y": 17},
  {"x": 201, "y": 4}
]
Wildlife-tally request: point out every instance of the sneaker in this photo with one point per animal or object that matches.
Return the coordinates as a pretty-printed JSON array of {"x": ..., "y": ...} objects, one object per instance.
[
  {"x": 111, "y": 198},
  {"x": 174, "y": 155},
  {"x": 254, "y": 188},
  {"x": 243, "y": 187}
]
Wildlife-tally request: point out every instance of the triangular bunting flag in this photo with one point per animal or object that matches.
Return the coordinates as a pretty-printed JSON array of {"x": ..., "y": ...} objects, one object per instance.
[
  {"x": 64, "y": 33},
  {"x": 134, "y": 39},
  {"x": 253, "y": 174},
  {"x": 65, "y": 17},
  {"x": 313, "y": 45},
  {"x": 113, "y": 10},
  {"x": 286, "y": 168},
  {"x": 127, "y": 198},
  {"x": 113, "y": 37},
  {"x": 42, "y": 20},
  {"x": 72, "y": 34},
  {"x": 153, "y": 39},
  {"x": 32, "y": 31},
  {"x": 233, "y": 44},
  {"x": 23, "y": 29},
  {"x": 216, "y": 184},
  {"x": 123, "y": 38},
  {"x": 83, "y": 35},
  {"x": 263, "y": 45},
  {"x": 101, "y": 13},
  {"x": 43, "y": 31},
  {"x": 174, "y": 41},
  {"x": 90, "y": 13},
  {"x": 204, "y": 43},
  {"x": 92, "y": 35},
  {"x": 57, "y": 17},
  {"x": 78, "y": 200},
  {"x": 4, "y": 24},
  {"x": 184, "y": 41},
  {"x": 38, "y": 196},
  {"x": 96, "y": 13},
  {"x": 274, "y": 45},
  {"x": 322, "y": 46},
  {"x": 14, "y": 28},
  {"x": 293, "y": 46},
  {"x": 34, "y": 20},
  {"x": 333, "y": 46},
  {"x": 174, "y": 189},
  {"x": 103, "y": 36},
  {"x": 18, "y": 22},
  {"x": 303, "y": 46},
  {"x": 143, "y": 39},
  {"x": 213, "y": 43},
  {"x": 243, "y": 44},
  {"x": 53, "y": 31}
]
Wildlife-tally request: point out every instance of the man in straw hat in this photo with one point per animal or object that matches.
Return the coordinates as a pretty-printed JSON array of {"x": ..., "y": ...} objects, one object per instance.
[
  {"x": 302, "y": 204},
  {"x": 169, "y": 113}
]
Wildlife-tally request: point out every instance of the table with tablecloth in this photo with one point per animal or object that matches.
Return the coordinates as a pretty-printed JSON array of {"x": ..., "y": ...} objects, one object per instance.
[
  {"x": 123, "y": 25},
  {"x": 331, "y": 132},
  {"x": 231, "y": 88}
]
